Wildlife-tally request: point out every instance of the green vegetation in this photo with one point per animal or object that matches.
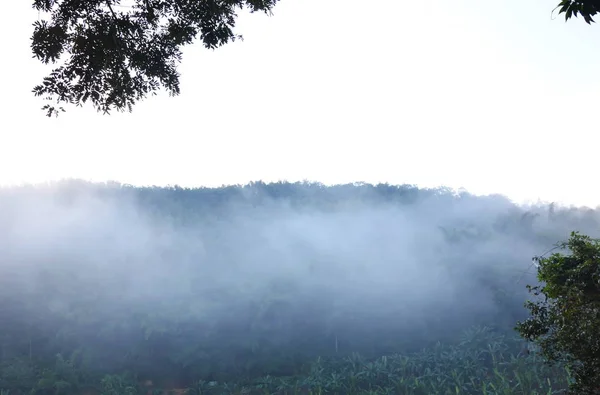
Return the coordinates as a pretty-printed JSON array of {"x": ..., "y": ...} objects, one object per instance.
[
  {"x": 270, "y": 288},
  {"x": 565, "y": 323},
  {"x": 480, "y": 364}
]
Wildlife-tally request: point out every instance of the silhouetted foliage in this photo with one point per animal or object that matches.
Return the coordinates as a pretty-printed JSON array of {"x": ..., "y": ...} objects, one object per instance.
[
  {"x": 565, "y": 316},
  {"x": 573, "y": 8},
  {"x": 115, "y": 53}
]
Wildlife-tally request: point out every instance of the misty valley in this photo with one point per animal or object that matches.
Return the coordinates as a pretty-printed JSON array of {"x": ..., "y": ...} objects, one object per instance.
[{"x": 280, "y": 288}]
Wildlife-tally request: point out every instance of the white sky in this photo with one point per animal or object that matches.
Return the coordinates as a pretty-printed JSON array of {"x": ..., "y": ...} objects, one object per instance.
[{"x": 492, "y": 96}]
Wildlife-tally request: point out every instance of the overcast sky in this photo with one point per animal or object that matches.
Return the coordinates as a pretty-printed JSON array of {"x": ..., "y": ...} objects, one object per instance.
[{"x": 492, "y": 96}]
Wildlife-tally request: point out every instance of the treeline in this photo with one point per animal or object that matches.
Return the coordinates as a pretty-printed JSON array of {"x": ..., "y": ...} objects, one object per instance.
[{"x": 181, "y": 284}]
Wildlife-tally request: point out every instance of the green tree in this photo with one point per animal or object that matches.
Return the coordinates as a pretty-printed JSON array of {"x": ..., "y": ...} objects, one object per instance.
[
  {"x": 115, "y": 54},
  {"x": 565, "y": 315},
  {"x": 586, "y": 8}
]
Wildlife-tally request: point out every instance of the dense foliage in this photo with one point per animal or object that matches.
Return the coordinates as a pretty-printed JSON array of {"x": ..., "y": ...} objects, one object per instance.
[
  {"x": 565, "y": 320},
  {"x": 107, "y": 287},
  {"x": 115, "y": 53},
  {"x": 481, "y": 363}
]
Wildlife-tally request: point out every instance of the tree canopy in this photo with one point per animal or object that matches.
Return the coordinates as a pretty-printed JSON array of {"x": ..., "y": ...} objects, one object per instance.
[
  {"x": 115, "y": 53},
  {"x": 565, "y": 317}
]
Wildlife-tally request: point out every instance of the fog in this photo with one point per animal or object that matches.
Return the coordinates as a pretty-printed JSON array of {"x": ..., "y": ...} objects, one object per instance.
[{"x": 286, "y": 268}]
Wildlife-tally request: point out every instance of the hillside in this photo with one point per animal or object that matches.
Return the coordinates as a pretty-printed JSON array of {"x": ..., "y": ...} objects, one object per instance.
[{"x": 105, "y": 287}]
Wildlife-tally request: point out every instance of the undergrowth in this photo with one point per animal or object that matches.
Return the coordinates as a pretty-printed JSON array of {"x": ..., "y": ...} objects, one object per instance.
[{"x": 483, "y": 362}]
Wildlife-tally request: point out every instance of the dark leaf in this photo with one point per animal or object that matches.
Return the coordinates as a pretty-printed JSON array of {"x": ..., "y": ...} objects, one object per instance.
[{"x": 115, "y": 56}]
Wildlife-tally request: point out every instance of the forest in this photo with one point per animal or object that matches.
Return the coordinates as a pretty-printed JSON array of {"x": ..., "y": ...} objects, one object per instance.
[{"x": 271, "y": 288}]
